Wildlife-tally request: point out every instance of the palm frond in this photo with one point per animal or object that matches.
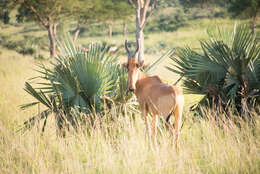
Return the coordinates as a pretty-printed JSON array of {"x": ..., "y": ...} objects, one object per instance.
[
  {"x": 40, "y": 96},
  {"x": 227, "y": 69},
  {"x": 155, "y": 64},
  {"x": 77, "y": 80},
  {"x": 25, "y": 106},
  {"x": 28, "y": 124}
]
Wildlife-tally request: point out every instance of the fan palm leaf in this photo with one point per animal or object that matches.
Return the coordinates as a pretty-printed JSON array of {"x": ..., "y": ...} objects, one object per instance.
[
  {"x": 227, "y": 67},
  {"x": 78, "y": 80}
]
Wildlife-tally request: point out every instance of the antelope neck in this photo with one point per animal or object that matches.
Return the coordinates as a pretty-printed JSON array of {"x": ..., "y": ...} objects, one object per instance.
[{"x": 141, "y": 76}]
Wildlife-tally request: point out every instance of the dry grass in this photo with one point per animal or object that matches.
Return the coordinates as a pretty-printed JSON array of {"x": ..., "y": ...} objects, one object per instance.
[
  {"x": 117, "y": 146},
  {"x": 120, "y": 146}
]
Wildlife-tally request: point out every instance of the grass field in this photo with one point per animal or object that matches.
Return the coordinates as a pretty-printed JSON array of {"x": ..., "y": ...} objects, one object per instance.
[{"x": 120, "y": 146}]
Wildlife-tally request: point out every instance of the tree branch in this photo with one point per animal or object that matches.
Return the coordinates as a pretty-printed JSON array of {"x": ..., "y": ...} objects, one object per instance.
[
  {"x": 147, "y": 2},
  {"x": 58, "y": 12},
  {"x": 44, "y": 23},
  {"x": 144, "y": 11},
  {"x": 132, "y": 3},
  {"x": 138, "y": 12},
  {"x": 150, "y": 14},
  {"x": 139, "y": 3}
]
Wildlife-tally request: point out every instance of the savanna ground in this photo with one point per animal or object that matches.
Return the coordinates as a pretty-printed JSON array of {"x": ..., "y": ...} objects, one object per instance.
[{"x": 119, "y": 145}]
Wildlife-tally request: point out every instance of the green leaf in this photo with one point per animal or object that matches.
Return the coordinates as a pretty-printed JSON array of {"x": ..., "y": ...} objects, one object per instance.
[{"x": 228, "y": 63}]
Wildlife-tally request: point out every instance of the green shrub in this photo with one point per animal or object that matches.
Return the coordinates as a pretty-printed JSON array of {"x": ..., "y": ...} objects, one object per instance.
[
  {"x": 39, "y": 56},
  {"x": 226, "y": 70},
  {"x": 79, "y": 81},
  {"x": 27, "y": 45},
  {"x": 167, "y": 22},
  {"x": 27, "y": 50}
]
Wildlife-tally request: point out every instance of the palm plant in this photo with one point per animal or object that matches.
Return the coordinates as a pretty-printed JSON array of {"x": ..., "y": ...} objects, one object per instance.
[
  {"x": 226, "y": 70},
  {"x": 81, "y": 82},
  {"x": 78, "y": 81}
]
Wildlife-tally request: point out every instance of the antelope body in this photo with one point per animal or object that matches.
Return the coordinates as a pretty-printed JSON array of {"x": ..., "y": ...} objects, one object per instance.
[{"x": 154, "y": 96}]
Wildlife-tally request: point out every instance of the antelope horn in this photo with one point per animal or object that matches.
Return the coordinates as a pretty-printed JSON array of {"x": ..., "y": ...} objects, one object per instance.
[{"x": 128, "y": 53}]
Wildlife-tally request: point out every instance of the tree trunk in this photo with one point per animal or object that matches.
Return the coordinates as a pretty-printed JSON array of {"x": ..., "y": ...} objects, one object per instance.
[
  {"x": 76, "y": 34},
  {"x": 202, "y": 4},
  {"x": 140, "y": 41},
  {"x": 52, "y": 37},
  {"x": 124, "y": 29},
  {"x": 110, "y": 29},
  {"x": 253, "y": 23},
  {"x": 141, "y": 8}
]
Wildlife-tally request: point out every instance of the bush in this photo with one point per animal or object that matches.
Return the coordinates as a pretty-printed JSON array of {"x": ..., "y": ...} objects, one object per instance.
[
  {"x": 27, "y": 45},
  {"x": 20, "y": 46},
  {"x": 27, "y": 50},
  {"x": 39, "y": 56},
  {"x": 167, "y": 22},
  {"x": 226, "y": 70},
  {"x": 79, "y": 81}
]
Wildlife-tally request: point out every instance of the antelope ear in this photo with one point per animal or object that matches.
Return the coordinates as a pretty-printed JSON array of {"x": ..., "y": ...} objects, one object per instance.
[
  {"x": 124, "y": 65},
  {"x": 141, "y": 64}
]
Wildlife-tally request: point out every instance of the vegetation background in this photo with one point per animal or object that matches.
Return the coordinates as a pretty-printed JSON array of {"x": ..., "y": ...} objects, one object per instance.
[{"x": 116, "y": 143}]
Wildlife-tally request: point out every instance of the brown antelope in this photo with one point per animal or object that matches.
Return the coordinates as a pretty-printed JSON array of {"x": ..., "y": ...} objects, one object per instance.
[{"x": 154, "y": 96}]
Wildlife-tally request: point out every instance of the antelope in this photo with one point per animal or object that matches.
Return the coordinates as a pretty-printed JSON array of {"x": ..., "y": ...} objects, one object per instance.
[{"x": 154, "y": 96}]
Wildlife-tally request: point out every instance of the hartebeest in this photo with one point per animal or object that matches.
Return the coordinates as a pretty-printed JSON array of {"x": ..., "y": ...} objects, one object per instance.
[{"x": 154, "y": 96}]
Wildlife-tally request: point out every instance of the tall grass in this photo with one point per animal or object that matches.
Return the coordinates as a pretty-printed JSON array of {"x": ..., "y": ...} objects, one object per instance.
[{"x": 119, "y": 145}]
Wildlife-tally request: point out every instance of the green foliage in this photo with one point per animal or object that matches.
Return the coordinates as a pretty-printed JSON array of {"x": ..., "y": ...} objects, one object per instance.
[
  {"x": 174, "y": 14},
  {"x": 167, "y": 21},
  {"x": 36, "y": 9},
  {"x": 167, "y": 3},
  {"x": 226, "y": 70},
  {"x": 102, "y": 10},
  {"x": 78, "y": 81},
  {"x": 28, "y": 45},
  {"x": 202, "y": 3},
  {"x": 22, "y": 13},
  {"x": 244, "y": 8},
  {"x": 87, "y": 12},
  {"x": 114, "y": 9},
  {"x": 6, "y": 17},
  {"x": 4, "y": 11}
]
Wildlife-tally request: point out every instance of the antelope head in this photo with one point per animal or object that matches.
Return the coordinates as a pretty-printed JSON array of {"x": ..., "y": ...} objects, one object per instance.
[{"x": 133, "y": 66}]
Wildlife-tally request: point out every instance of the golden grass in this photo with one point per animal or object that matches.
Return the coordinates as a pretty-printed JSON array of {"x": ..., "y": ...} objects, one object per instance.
[{"x": 117, "y": 146}]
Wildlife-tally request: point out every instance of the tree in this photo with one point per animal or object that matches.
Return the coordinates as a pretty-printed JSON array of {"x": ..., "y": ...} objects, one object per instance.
[
  {"x": 115, "y": 10},
  {"x": 142, "y": 14},
  {"x": 101, "y": 11},
  {"x": 192, "y": 3},
  {"x": 48, "y": 13},
  {"x": 4, "y": 11},
  {"x": 246, "y": 9},
  {"x": 88, "y": 12},
  {"x": 124, "y": 13}
]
